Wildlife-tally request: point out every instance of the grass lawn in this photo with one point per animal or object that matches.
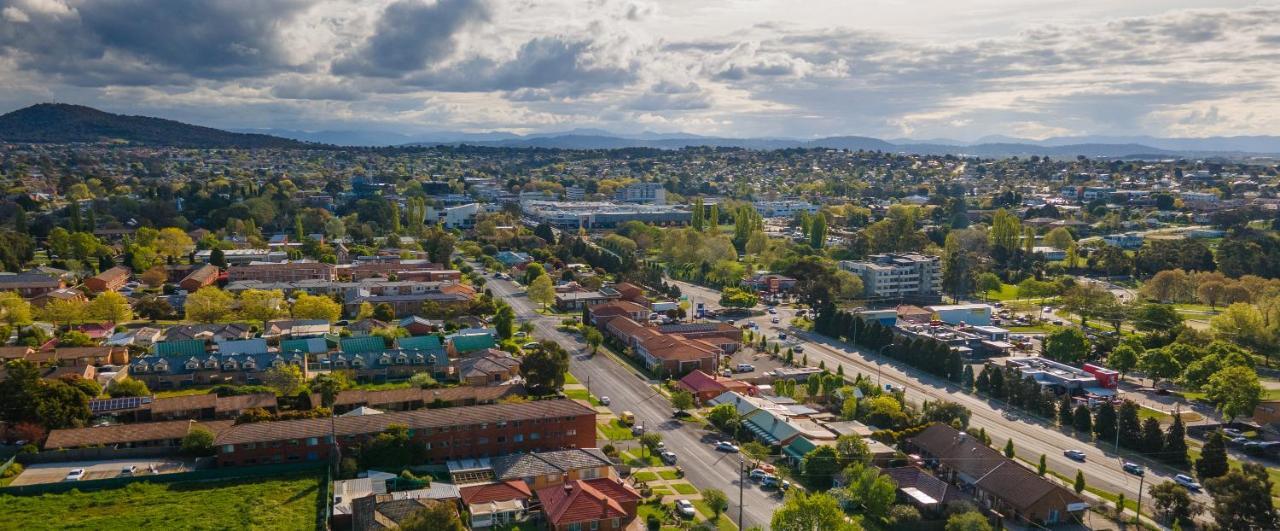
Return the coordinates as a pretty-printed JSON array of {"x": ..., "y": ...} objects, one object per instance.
[
  {"x": 569, "y": 379},
  {"x": 662, "y": 491},
  {"x": 668, "y": 474},
  {"x": 582, "y": 394},
  {"x": 724, "y": 523},
  {"x": 381, "y": 386},
  {"x": 684, "y": 488},
  {"x": 1030, "y": 329},
  {"x": 638, "y": 458},
  {"x": 644, "y": 510},
  {"x": 183, "y": 392},
  {"x": 1109, "y": 496},
  {"x": 1006, "y": 292},
  {"x": 615, "y": 430},
  {"x": 288, "y": 502},
  {"x": 645, "y": 476}
]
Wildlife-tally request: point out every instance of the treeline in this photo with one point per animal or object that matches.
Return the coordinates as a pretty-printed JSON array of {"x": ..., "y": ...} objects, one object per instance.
[{"x": 928, "y": 354}]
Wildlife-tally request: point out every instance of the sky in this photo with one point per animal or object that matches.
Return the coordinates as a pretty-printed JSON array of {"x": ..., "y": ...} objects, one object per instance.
[{"x": 922, "y": 69}]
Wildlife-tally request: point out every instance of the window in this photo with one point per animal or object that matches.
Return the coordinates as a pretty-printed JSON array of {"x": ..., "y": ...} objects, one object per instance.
[
  {"x": 482, "y": 440},
  {"x": 571, "y": 432},
  {"x": 617, "y": 523},
  {"x": 533, "y": 436},
  {"x": 595, "y": 525},
  {"x": 228, "y": 448},
  {"x": 312, "y": 441},
  {"x": 519, "y": 437},
  {"x": 575, "y": 526}
]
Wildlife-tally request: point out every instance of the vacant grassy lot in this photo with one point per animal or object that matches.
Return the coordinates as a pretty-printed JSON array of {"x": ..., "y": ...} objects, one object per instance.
[{"x": 288, "y": 502}]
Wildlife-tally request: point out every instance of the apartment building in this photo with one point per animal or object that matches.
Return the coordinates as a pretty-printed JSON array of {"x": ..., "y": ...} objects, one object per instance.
[
  {"x": 282, "y": 272},
  {"x": 649, "y": 193},
  {"x": 30, "y": 284},
  {"x": 109, "y": 280},
  {"x": 785, "y": 208},
  {"x": 235, "y": 257},
  {"x": 898, "y": 276}
]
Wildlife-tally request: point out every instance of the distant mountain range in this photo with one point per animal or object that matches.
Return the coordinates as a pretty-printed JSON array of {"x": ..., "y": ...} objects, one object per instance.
[{"x": 63, "y": 123}]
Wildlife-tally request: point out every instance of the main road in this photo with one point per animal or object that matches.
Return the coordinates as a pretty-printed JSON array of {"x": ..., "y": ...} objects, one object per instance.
[
  {"x": 627, "y": 391},
  {"x": 1031, "y": 436}
]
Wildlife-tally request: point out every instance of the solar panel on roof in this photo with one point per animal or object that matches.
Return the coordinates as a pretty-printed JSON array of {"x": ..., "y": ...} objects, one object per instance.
[{"x": 117, "y": 404}]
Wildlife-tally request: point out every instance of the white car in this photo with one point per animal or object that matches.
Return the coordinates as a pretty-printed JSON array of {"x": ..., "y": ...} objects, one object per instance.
[
  {"x": 604, "y": 400},
  {"x": 726, "y": 446},
  {"x": 772, "y": 311},
  {"x": 774, "y": 320},
  {"x": 685, "y": 508},
  {"x": 1187, "y": 481},
  {"x": 76, "y": 474}
]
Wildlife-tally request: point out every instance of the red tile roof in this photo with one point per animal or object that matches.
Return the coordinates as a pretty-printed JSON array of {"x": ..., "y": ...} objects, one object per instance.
[
  {"x": 586, "y": 501},
  {"x": 515, "y": 489}
]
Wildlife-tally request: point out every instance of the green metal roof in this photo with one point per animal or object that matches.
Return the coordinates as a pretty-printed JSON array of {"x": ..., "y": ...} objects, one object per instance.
[
  {"x": 314, "y": 345},
  {"x": 470, "y": 342},
  {"x": 427, "y": 342},
  {"x": 184, "y": 347},
  {"x": 799, "y": 448},
  {"x": 361, "y": 345}
]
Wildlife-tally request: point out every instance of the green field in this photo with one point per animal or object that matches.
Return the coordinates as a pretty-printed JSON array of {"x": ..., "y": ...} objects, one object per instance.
[
  {"x": 289, "y": 502},
  {"x": 1007, "y": 292}
]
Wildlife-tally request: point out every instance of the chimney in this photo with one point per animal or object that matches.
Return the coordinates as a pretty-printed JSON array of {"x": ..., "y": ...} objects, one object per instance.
[{"x": 568, "y": 488}]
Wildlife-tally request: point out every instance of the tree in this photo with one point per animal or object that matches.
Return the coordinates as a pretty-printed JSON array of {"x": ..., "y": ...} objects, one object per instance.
[
  {"x": 1123, "y": 358},
  {"x": 126, "y": 388},
  {"x": 1173, "y": 502},
  {"x": 851, "y": 449},
  {"x": 61, "y": 405},
  {"x": 1243, "y": 324},
  {"x": 1152, "y": 437},
  {"x": 1175, "y": 443},
  {"x": 329, "y": 385},
  {"x": 1234, "y": 390},
  {"x": 438, "y": 516},
  {"x": 111, "y": 307},
  {"x": 1059, "y": 238},
  {"x": 1067, "y": 345},
  {"x": 682, "y": 400},
  {"x": 1159, "y": 363},
  {"x": 1008, "y": 449},
  {"x": 650, "y": 440},
  {"x": 987, "y": 283},
  {"x": 172, "y": 243},
  {"x": 723, "y": 416},
  {"x": 716, "y": 501},
  {"x": 737, "y": 298},
  {"x": 198, "y": 442},
  {"x": 319, "y": 307},
  {"x": 218, "y": 258},
  {"x": 544, "y": 368},
  {"x": 1104, "y": 422},
  {"x": 384, "y": 312},
  {"x": 504, "y": 321},
  {"x": 532, "y": 271},
  {"x": 14, "y": 310},
  {"x": 946, "y": 413},
  {"x": 1242, "y": 499},
  {"x": 542, "y": 292},
  {"x": 286, "y": 380},
  {"x": 1213, "y": 457},
  {"x": 63, "y": 311},
  {"x": 869, "y": 490},
  {"x": 1005, "y": 232},
  {"x": 811, "y": 512},
  {"x": 1079, "y": 483},
  {"x": 208, "y": 305},
  {"x": 1082, "y": 419},
  {"x": 968, "y": 521},
  {"x": 262, "y": 305},
  {"x": 594, "y": 338},
  {"x": 1156, "y": 317},
  {"x": 819, "y": 467},
  {"x": 1129, "y": 425},
  {"x": 818, "y": 231}
]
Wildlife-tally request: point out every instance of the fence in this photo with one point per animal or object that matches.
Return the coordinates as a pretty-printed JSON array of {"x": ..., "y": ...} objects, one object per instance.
[
  {"x": 216, "y": 474},
  {"x": 6, "y": 465},
  {"x": 97, "y": 454}
]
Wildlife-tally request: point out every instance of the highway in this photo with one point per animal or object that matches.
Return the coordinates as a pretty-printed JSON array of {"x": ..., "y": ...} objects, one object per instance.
[
  {"x": 627, "y": 391},
  {"x": 1031, "y": 437}
]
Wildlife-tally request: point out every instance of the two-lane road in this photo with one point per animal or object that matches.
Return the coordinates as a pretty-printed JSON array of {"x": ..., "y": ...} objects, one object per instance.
[{"x": 703, "y": 466}]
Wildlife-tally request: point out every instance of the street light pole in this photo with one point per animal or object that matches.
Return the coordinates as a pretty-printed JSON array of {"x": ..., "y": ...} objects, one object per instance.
[
  {"x": 1142, "y": 480},
  {"x": 741, "y": 481}
]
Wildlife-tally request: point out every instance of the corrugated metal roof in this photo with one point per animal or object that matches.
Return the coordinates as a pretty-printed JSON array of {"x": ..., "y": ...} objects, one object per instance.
[
  {"x": 361, "y": 345},
  {"x": 186, "y": 347}
]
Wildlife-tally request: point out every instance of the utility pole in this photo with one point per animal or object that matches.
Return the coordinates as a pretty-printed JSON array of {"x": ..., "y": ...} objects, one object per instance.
[
  {"x": 1142, "y": 480},
  {"x": 741, "y": 482}
]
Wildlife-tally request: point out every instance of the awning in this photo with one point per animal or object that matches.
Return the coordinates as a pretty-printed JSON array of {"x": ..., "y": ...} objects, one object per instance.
[
  {"x": 1100, "y": 391},
  {"x": 762, "y": 434}
]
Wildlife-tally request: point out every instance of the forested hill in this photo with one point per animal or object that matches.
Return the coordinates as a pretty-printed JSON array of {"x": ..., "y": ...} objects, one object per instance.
[{"x": 59, "y": 123}]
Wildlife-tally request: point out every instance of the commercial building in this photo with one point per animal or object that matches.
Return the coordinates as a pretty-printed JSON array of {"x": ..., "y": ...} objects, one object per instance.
[
  {"x": 969, "y": 314},
  {"x": 590, "y": 215},
  {"x": 898, "y": 276},
  {"x": 648, "y": 193},
  {"x": 235, "y": 257},
  {"x": 446, "y": 434},
  {"x": 1057, "y": 376},
  {"x": 786, "y": 208},
  {"x": 454, "y": 217}
]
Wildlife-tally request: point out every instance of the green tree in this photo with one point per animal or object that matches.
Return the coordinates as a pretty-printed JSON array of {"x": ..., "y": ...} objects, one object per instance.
[
  {"x": 1008, "y": 449},
  {"x": 987, "y": 283},
  {"x": 504, "y": 321},
  {"x": 286, "y": 380},
  {"x": 1130, "y": 426},
  {"x": 1067, "y": 345},
  {"x": 818, "y": 231},
  {"x": 1175, "y": 443},
  {"x": 1159, "y": 364},
  {"x": 1123, "y": 358},
  {"x": 594, "y": 338},
  {"x": 738, "y": 298},
  {"x": 1079, "y": 483},
  {"x": 208, "y": 305},
  {"x": 262, "y": 305},
  {"x": 968, "y": 521},
  {"x": 1006, "y": 231},
  {"x": 851, "y": 450},
  {"x": 329, "y": 385},
  {"x": 1059, "y": 238},
  {"x": 542, "y": 291},
  {"x": 127, "y": 387},
  {"x": 1043, "y": 466},
  {"x": 14, "y": 310},
  {"x": 384, "y": 312},
  {"x": 650, "y": 440},
  {"x": 1213, "y": 457},
  {"x": 716, "y": 501},
  {"x": 1082, "y": 419},
  {"x": 1173, "y": 502},
  {"x": 1242, "y": 499},
  {"x": 1235, "y": 391},
  {"x": 1243, "y": 324},
  {"x": 811, "y": 512},
  {"x": 819, "y": 467},
  {"x": 1104, "y": 422},
  {"x": 198, "y": 442},
  {"x": 544, "y": 368},
  {"x": 682, "y": 400},
  {"x": 869, "y": 490},
  {"x": 437, "y": 516},
  {"x": 319, "y": 307}
]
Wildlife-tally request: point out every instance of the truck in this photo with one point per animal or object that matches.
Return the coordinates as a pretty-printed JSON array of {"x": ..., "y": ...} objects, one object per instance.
[{"x": 700, "y": 310}]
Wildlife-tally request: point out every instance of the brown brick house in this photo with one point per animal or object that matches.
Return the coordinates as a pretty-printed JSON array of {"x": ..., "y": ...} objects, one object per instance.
[
  {"x": 109, "y": 280},
  {"x": 200, "y": 277}
]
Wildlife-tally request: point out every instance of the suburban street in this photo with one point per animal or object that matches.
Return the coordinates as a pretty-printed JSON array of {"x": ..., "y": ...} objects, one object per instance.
[
  {"x": 1031, "y": 437},
  {"x": 627, "y": 391}
]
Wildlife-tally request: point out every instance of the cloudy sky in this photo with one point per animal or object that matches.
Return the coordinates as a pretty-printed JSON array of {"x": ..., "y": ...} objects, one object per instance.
[{"x": 796, "y": 68}]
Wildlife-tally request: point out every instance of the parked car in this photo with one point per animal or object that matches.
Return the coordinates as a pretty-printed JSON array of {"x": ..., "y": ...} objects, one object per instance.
[
  {"x": 604, "y": 400},
  {"x": 727, "y": 373},
  {"x": 668, "y": 457},
  {"x": 76, "y": 474},
  {"x": 774, "y": 320},
  {"x": 770, "y": 482},
  {"x": 685, "y": 508},
  {"x": 1187, "y": 481},
  {"x": 758, "y": 475},
  {"x": 773, "y": 311},
  {"x": 627, "y": 417},
  {"x": 799, "y": 348},
  {"x": 1075, "y": 455},
  {"x": 532, "y": 345},
  {"x": 681, "y": 414},
  {"x": 782, "y": 337},
  {"x": 1232, "y": 433},
  {"x": 128, "y": 471},
  {"x": 746, "y": 367},
  {"x": 726, "y": 446},
  {"x": 1134, "y": 468}
]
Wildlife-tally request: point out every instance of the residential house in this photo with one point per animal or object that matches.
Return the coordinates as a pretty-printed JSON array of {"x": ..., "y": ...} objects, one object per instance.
[
  {"x": 209, "y": 332},
  {"x": 470, "y": 340},
  {"x": 513, "y": 259},
  {"x": 421, "y": 326},
  {"x": 602, "y": 504},
  {"x": 998, "y": 483},
  {"x": 183, "y": 370},
  {"x": 30, "y": 284},
  {"x": 200, "y": 277},
  {"x": 705, "y": 386},
  {"x": 109, "y": 280},
  {"x": 388, "y": 511},
  {"x": 488, "y": 367},
  {"x": 582, "y": 299},
  {"x": 537, "y": 469},
  {"x": 97, "y": 356},
  {"x": 497, "y": 504},
  {"x": 296, "y": 328}
]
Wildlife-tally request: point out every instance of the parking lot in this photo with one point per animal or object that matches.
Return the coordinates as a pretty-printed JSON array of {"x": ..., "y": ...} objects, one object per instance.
[
  {"x": 762, "y": 362},
  {"x": 56, "y": 472}
]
